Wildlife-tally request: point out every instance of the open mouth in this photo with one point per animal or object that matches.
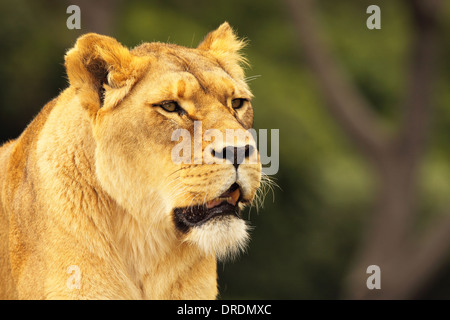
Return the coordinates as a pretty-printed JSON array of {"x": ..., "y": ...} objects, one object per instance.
[{"x": 225, "y": 204}]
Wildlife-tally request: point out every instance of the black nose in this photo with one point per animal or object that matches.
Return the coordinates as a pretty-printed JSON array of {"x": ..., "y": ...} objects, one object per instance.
[{"x": 235, "y": 155}]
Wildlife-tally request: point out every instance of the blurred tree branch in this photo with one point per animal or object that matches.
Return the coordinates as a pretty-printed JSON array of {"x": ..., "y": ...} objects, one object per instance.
[
  {"x": 348, "y": 106},
  {"x": 416, "y": 107},
  {"x": 406, "y": 264}
]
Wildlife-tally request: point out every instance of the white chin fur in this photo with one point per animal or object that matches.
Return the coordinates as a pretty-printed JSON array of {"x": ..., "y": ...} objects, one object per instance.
[{"x": 225, "y": 236}]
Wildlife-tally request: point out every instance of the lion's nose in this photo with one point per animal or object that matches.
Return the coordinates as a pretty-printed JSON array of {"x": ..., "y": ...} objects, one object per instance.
[{"x": 236, "y": 155}]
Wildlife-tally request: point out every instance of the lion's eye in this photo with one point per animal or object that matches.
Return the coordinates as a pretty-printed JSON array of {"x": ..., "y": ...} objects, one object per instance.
[
  {"x": 238, "y": 103},
  {"x": 169, "y": 106}
]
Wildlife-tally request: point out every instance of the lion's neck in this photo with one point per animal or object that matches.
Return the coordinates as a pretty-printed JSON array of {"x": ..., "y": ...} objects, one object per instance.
[{"x": 159, "y": 264}]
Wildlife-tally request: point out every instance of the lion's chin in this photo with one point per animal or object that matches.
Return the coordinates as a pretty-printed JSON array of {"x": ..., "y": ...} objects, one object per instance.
[{"x": 225, "y": 236}]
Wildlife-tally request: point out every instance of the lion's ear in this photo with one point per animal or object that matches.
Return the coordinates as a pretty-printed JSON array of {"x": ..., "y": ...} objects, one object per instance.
[
  {"x": 99, "y": 62},
  {"x": 226, "y": 47}
]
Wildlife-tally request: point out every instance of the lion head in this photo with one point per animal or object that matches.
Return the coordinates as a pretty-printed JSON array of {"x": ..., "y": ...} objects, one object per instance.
[{"x": 140, "y": 101}]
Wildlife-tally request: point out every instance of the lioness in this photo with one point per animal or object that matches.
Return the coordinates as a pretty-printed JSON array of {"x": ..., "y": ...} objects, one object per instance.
[{"x": 92, "y": 205}]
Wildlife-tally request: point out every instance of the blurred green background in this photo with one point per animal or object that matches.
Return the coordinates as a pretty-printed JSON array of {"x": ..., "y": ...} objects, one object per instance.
[{"x": 305, "y": 238}]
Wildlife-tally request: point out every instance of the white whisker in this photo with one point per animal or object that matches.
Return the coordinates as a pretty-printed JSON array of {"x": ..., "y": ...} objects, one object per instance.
[{"x": 251, "y": 78}]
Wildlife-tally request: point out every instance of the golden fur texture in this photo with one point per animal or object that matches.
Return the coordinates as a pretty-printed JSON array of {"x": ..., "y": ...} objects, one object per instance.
[{"x": 88, "y": 191}]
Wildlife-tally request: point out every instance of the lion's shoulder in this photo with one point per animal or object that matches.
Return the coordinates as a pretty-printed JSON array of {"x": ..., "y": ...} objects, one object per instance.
[{"x": 16, "y": 152}]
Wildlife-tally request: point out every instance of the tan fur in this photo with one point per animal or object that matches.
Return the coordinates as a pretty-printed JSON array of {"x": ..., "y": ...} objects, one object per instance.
[{"x": 90, "y": 183}]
